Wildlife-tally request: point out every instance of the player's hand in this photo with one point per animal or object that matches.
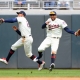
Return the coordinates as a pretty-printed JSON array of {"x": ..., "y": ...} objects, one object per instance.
[
  {"x": 2, "y": 19},
  {"x": 15, "y": 28},
  {"x": 23, "y": 40},
  {"x": 48, "y": 22},
  {"x": 75, "y": 33}
]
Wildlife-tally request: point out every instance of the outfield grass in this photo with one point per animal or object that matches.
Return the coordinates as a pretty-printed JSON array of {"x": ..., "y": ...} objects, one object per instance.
[{"x": 36, "y": 73}]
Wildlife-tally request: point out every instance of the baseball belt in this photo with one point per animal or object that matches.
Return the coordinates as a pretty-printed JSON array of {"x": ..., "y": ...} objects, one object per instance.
[
  {"x": 56, "y": 37},
  {"x": 24, "y": 36}
]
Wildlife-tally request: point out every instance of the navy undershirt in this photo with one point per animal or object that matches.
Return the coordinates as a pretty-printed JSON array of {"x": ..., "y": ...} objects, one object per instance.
[{"x": 11, "y": 20}]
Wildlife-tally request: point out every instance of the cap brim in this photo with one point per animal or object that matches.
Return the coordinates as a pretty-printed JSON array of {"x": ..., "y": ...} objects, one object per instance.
[
  {"x": 52, "y": 14},
  {"x": 18, "y": 12},
  {"x": 21, "y": 13}
]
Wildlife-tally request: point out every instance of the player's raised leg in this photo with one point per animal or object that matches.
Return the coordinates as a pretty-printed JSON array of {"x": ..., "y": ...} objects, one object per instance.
[
  {"x": 12, "y": 50},
  {"x": 54, "y": 48},
  {"x": 28, "y": 52},
  {"x": 45, "y": 44}
]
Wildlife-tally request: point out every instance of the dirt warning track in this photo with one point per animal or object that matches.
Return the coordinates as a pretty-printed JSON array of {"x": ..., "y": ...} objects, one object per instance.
[{"x": 39, "y": 78}]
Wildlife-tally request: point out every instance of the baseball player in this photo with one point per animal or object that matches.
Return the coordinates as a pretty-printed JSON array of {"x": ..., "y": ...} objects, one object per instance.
[
  {"x": 26, "y": 39},
  {"x": 54, "y": 28}
]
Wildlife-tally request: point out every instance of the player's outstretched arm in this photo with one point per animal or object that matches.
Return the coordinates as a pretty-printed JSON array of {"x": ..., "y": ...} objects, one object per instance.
[
  {"x": 16, "y": 29},
  {"x": 69, "y": 31},
  {"x": 10, "y": 20}
]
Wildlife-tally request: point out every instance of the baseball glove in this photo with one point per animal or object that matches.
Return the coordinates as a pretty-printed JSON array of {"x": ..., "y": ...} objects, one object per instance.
[
  {"x": 78, "y": 32},
  {"x": 1, "y": 21}
]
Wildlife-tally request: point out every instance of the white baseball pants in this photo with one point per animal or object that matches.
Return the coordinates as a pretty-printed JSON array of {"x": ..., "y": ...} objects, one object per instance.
[
  {"x": 49, "y": 41},
  {"x": 27, "y": 45}
]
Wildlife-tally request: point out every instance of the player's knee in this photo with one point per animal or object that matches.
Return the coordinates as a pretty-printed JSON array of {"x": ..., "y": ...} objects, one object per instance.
[
  {"x": 13, "y": 47},
  {"x": 41, "y": 49},
  {"x": 29, "y": 55}
]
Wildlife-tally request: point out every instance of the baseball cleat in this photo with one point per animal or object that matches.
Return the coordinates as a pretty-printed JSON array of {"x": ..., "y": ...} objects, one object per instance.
[
  {"x": 3, "y": 60},
  {"x": 51, "y": 66},
  {"x": 41, "y": 66}
]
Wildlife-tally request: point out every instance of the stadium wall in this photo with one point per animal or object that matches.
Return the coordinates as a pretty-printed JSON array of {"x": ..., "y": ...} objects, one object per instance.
[{"x": 68, "y": 52}]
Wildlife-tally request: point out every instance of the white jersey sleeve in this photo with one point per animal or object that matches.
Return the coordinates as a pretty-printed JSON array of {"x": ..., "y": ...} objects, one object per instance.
[
  {"x": 19, "y": 19},
  {"x": 63, "y": 24}
]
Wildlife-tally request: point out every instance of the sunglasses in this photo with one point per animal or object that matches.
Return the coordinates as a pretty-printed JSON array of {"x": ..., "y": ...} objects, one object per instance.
[{"x": 52, "y": 14}]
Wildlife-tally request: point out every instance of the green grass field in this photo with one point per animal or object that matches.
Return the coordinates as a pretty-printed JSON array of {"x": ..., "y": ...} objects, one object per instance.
[{"x": 36, "y": 73}]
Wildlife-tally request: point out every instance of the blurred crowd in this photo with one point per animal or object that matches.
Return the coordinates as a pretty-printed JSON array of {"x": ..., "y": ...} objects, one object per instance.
[
  {"x": 40, "y": 4},
  {"x": 59, "y": 3},
  {"x": 51, "y": 3}
]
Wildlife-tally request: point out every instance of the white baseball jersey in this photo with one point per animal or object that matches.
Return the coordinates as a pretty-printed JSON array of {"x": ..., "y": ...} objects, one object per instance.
[
  {"x": 54, "y": 29},
  {"x": 24, "y": 26}
]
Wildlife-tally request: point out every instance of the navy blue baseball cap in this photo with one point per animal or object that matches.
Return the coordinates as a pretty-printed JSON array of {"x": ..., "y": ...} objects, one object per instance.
[
  {"x": 21, "y": 12},
  {"x": 52, "y": 13}
]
